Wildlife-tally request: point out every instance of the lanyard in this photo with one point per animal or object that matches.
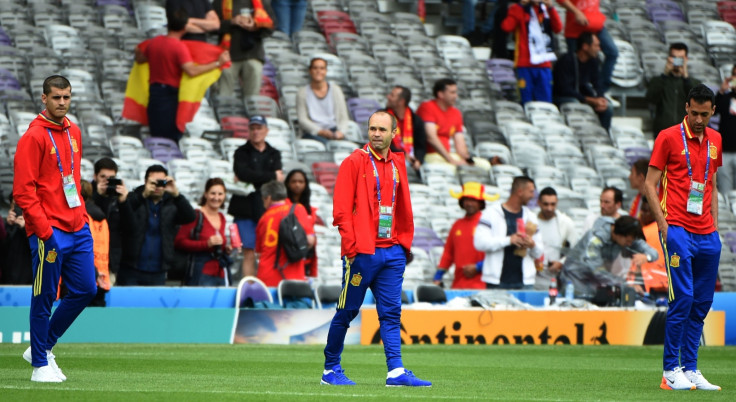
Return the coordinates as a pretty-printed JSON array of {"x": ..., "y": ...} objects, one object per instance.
[
  {"x": 56, "y": 149},
  {"x": 378, "y": 181},
  {"x": 687, "y": 156}
]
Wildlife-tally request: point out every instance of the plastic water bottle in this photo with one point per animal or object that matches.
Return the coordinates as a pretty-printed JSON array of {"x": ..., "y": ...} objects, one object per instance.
[
  {"x": 552, "y": 291},
  {"x": 569, "y": 291}
]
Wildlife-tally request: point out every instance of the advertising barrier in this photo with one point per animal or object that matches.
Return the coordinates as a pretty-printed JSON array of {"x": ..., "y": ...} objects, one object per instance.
[{"x": 584, "y": 327}]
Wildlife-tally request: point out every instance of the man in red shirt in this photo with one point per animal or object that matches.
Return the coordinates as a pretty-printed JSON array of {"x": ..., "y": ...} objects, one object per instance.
[
  {"x": 459, "y": 249},
  {"x": 442, "y": 121},
  {"x": 684, "y": 162},
  {"x": 47, "y": 187},
  {"x": 267, "y": 236},
  {"x": 372, "y": 210},
  {"x": 168, "y": 57}
]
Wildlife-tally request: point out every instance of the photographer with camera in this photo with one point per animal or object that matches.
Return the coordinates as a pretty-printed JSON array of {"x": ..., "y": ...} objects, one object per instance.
[
  {"x": 148, "y": 242},
  {"x": 726, "y": 108},
  {"x": 111, "y": 196},
  {"x": 667, "y": 93}
]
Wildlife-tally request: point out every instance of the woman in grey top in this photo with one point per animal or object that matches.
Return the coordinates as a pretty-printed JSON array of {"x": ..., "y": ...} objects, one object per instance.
[{"x": 321, "y": 108}]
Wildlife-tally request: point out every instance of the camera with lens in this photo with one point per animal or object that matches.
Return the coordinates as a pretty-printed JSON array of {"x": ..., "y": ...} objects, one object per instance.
[
  {"x": 112, "y": 183},
  {"x": 161, "y": 183}
]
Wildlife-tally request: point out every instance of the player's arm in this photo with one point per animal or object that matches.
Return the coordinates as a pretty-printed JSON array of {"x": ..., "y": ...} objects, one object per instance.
[
  {"x": 27, "y": 162},
  {"x": 650, "y": 191},
  {"x": 343, "y": 204}
]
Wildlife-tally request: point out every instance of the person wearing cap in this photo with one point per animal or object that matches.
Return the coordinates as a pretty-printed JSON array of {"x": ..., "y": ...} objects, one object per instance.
[
  {"x": 459, "y": 248},
  {"x": 255, "y": 162},
  {"x": 507, "y": 234}
]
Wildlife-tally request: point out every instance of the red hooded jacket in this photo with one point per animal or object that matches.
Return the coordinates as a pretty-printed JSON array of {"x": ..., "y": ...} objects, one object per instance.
[
  {"x": 355, "y": 205},
  {"x": 37, "y": 184}
]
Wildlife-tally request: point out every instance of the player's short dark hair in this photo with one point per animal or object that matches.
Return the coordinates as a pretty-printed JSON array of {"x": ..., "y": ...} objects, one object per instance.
[
  {"x": 678, "y": 46},
  {"x": 313, "y": 59},
  {"x": 520, "y": 181},
  {"x": 394, "y": 123},
  {"x": 55, "y": 81},
  {"x": 177, "y": 19},
  {"x": 211, "y": 182},
  {"x": 106, "y": 163},
  {"x": 405, "y": 93},
  {"x": 275, "y": 189},
  {"x": 701, "y": 94},
  {"x": 628, "y": 226},
  {"x": 618, "y": 195},
  {"x": 155, "y": 169},
  {"x": 585, "y": 38},
  {"x": 547, "y": 191},
  {"x": 641, "y": 166},
  {"x": 441, "y": 84}
]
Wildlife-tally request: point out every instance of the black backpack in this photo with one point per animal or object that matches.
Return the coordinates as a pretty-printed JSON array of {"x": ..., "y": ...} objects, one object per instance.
[{"x": 292, "y": 238}]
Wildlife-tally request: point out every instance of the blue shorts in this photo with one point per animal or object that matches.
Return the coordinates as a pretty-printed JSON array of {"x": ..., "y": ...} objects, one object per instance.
[{"x": 247, "y": 229}]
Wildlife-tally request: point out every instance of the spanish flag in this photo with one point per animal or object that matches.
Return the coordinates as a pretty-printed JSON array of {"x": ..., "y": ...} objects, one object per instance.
[{"x": 191, "y": 89}]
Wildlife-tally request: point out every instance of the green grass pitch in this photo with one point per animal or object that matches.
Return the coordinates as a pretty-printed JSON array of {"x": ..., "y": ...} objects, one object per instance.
[{"x": 154, "y": 372}]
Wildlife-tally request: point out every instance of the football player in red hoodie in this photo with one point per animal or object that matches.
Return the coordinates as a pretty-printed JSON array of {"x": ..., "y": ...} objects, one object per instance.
[{"x": 46, "y": 185}]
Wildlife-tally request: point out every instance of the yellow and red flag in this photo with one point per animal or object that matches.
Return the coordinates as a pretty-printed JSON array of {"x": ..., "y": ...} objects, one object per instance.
[{"x": 191, "y": 89}]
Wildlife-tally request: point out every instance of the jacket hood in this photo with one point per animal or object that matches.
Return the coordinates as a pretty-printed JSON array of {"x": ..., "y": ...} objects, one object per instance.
[{"x": 44, "y": 121}]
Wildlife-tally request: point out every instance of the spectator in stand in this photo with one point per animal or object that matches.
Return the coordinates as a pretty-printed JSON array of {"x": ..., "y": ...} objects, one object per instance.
[
  {"x": 167, "y": 58},
  {"x": 650, "y": 277},
  {"x": 255, "y": 162},
  {"x": 637, "y": 176},
  {"x": 271, "y": 271},
  {"x": 575, "y": 78},
  {"x": 101, "y": 245},
  {"x": 508, "y": 234},
  {"x": 459, "y": 250},
  {"x": 208, "y": 250},
  {"x": 558, "y": 235},
  {"x": 610, "y": 202},
  {"x": 726, "y": 108},
  {"x": 477, "y": 36},
  {"x": 442, "y": 122},
  {"x": 584, "y": 16},
  {"x": 668, "y": 91},
  {"x": 411, "y": 137},
  {"x": 148, "y": 241},
  {"x": 202, "y": 18},
  {"x": 499, "y": 37},
  {"x": 321, "y": 107},
  {"x": 112, "y": 200},
  {"x": 15, "y": 251},
  {"x": 240, "y": 34},
  {"x": 298, "y": 192},
  {"x": 289, "y": 15},
  {"x": 591, "y": 261},
  {"x": 534, "y": 23}
]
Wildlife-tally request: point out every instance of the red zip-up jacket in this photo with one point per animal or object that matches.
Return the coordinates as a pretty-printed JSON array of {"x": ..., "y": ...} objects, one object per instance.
[
  {"x": 355, "y": 205},
  {"x": 517, "y": 20},
  {"x": 37, "y": 184}
]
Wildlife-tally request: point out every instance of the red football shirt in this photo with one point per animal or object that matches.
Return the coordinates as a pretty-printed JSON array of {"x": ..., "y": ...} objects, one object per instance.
[
  {"x": 165, "y": 58},
  {"x": 267, "y": 237},
  {"x": 448, "y": 121},
  {"x": 459, "y": 250},
  {"x": 669, "y": 157}
]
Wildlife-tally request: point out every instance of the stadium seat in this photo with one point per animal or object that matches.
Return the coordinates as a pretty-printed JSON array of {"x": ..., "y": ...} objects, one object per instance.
[
  {"x": 430, "y": 294},
  {"x": 327, "y": 295},
  {"x": 293, "y": 294},
  {"x": 252, "y": 290}
]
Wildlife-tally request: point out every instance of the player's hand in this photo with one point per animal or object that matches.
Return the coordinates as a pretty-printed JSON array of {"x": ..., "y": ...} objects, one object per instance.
[{"x": 663, "y": 226}]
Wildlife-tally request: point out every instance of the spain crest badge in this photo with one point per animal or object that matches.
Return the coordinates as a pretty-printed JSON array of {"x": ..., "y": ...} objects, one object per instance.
[
  {"x": 51, "y": 256},
  {"x": 355, "y": 280},
  {"x": 675, "y": 261}
]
